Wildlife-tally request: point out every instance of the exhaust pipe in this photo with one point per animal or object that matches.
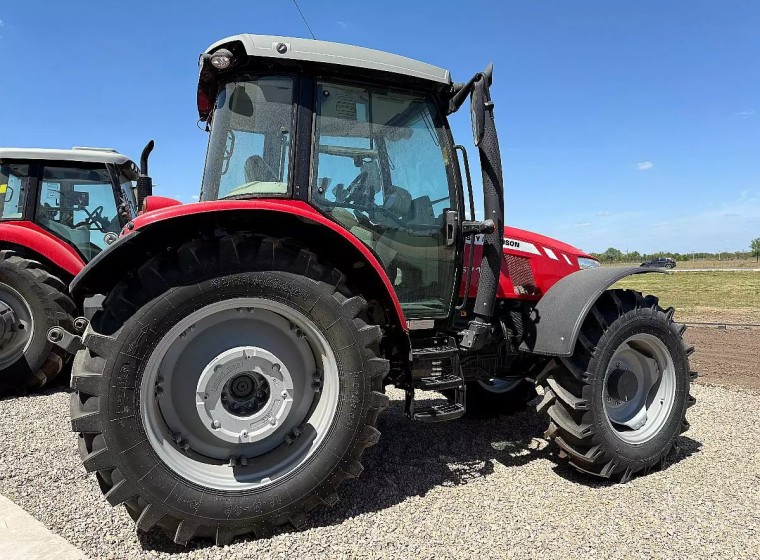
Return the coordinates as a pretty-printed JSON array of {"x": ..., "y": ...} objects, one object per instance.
[
  {"x": 144, "y": 181},
  {"x": 484, "y": 135}
]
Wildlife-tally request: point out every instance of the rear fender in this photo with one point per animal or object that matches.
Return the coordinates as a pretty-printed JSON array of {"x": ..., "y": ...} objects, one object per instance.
[
  {"x": 50, "y": 248},
  {"x": 295, "y": 221},
  {"x": 559, "y": 315}
]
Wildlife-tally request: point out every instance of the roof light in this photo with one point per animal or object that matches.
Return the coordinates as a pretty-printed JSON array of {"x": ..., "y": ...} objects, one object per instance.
[{"x": 221, "y": 59}]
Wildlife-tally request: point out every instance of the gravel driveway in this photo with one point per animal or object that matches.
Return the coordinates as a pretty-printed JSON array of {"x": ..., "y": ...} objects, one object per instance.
[{"x": 469, "y": 488}]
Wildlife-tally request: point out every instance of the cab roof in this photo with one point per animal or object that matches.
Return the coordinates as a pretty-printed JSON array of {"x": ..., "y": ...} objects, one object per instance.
[
  {"x": 325, "y": 52},
  {"x": 88, "y": 155}
]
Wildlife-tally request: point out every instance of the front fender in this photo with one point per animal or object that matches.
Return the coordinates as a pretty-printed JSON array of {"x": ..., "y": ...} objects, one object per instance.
[
  {"x": 170, "y": 227},
  {"x": 559, "y": 315}
]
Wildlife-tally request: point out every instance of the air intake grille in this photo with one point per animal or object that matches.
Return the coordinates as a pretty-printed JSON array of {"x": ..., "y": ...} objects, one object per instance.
[{"x": 521, "y": 274}]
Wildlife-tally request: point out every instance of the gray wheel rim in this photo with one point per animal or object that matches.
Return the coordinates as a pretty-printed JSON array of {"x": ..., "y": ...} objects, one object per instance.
[
  {"x": 239, "y": 394},
  {"x": 499, "y": 386},
  {"x": 15, "y": 345},
  {"x": 639, "y": 388}
]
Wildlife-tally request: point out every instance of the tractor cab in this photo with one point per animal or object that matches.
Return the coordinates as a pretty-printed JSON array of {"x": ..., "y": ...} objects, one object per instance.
[
  {"x": 374, "y": 156},
  {"x": 82, "y": 196}
]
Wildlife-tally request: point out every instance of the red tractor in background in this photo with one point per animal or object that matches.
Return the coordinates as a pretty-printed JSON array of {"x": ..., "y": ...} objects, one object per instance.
[
  {"x": 234, "y": 364},
  {"x": 58, "y": 208}
]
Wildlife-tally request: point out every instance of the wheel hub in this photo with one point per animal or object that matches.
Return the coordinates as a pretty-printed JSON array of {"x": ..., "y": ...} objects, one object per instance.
[
  {"x": 622, "y": 384},
  {"x": 244, "y": 394},
  {"x": 8, "y": 324}
]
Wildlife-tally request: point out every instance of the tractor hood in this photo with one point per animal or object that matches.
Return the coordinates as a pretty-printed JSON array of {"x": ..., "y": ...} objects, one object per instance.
[{"x": 540, "y": 243}]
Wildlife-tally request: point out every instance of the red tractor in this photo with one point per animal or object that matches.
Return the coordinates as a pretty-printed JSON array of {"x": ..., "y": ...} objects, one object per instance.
[
  {"x": 58, "y": 208},
  {"x": 233, "y": 374}
]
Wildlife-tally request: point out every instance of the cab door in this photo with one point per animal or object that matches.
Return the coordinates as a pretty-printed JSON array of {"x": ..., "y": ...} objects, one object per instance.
[{"x": 382, "y": 167}]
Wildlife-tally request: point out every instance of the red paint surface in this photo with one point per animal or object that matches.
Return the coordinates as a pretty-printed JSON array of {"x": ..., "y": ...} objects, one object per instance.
[
  {"x": 546, "y": 271},
  {"x": 41, "y": 241},
  {"x": 153, "y": 203}
]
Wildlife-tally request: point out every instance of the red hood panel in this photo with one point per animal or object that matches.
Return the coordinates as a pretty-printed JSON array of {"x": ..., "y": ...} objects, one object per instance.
[{"x": 538, "y": 239}]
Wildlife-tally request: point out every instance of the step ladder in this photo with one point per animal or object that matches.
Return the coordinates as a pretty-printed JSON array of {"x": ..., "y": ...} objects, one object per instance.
[{"x": 441, "y": 359}]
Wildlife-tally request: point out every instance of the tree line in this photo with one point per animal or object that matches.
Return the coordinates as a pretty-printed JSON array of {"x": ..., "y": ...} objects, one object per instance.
[{"x": 613, "y": 255}]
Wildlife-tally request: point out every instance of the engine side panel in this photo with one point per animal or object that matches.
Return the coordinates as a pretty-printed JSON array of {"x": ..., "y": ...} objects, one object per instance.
[{"x": 532, "y": 264}]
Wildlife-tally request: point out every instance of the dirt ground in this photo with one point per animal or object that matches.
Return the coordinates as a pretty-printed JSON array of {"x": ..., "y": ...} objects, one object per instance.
[{"x": 726, "y": 357}]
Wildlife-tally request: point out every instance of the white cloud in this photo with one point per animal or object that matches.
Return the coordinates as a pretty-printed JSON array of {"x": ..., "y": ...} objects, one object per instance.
[
  {"x": 194, "y": 197},
  {"x": 746, "y": 113},
  {"x": 342, "y": 24},
  {"x": 583, "y": 224},
  {"x": 1, "y": 23},
  {"x": 603, "y": 213},
  {"x": 644, "y": 165}
]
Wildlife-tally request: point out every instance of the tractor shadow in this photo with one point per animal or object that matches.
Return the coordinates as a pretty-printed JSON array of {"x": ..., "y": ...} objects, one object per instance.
[
  {"x": 413, "y": 458},
  {"x": 59, "y": 384}
]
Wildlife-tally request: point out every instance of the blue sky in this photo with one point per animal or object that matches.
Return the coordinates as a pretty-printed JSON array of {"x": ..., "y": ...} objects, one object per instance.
[{"x": 632, "y": 124}]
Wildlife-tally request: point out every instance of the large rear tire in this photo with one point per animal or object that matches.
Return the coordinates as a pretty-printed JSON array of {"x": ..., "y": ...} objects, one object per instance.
[
  {"x": 618, "y": 404},
  {"x": 31, "y": 302},
  {"x": 227, "y": 388}
]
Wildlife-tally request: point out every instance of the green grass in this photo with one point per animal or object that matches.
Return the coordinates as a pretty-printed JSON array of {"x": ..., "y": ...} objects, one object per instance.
[
  {"x": 703, "y": 263},
  {"x": 704, "y": 296}
]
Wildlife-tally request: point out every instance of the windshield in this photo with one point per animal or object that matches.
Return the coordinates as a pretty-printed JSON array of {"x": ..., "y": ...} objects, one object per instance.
[{"x": 249, "y": 145}]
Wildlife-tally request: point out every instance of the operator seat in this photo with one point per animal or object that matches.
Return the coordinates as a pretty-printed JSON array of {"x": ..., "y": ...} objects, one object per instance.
[{"x": 256, "y": 170}]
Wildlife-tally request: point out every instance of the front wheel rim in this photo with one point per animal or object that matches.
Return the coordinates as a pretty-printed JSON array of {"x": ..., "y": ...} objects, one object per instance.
[
  {"x": 639, "y": 388},
  {"x": 239, "y": 394},
  {"x": 18, "y": 324}
]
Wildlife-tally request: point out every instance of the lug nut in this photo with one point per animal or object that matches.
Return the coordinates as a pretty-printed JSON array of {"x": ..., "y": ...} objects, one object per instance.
[
  {"x": 273, "y": 420},
  {"x": 216, "y": 424}
]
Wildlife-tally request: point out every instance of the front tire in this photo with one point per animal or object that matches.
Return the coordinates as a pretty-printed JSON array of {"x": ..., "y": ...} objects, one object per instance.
[
  {"x": 618, "y": 404},
  {"x": 233, "y": 401}
]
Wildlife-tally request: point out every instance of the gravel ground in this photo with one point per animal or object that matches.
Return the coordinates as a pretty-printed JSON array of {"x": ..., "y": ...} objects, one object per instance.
[{"x": 470, "y": 488}]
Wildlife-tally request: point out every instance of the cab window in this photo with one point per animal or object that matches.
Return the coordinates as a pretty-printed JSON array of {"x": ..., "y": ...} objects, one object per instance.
[
  {"x": 13, "y": 178},
  {"x": 79, "y": 205}
]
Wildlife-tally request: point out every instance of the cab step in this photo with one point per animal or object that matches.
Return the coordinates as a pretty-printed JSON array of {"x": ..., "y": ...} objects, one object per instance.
[
  {"x": 440, "y": 383},
  {"x": 433, "y": 353},
  {"x": 439, "y": 413},
  {"x": 435, "y": 367}
]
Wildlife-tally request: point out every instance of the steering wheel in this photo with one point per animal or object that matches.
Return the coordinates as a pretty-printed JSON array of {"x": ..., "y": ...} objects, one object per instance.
[
  {"x": 94, "y": 218},
  {"x": 352, "y": 192}
]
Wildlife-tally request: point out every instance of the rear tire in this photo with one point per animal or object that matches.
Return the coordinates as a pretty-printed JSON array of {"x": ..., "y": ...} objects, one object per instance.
[
  {"x": 32, "y": 301},
  {"x": 618, "y": 404},
  {"x": 180, "y": 481}
]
